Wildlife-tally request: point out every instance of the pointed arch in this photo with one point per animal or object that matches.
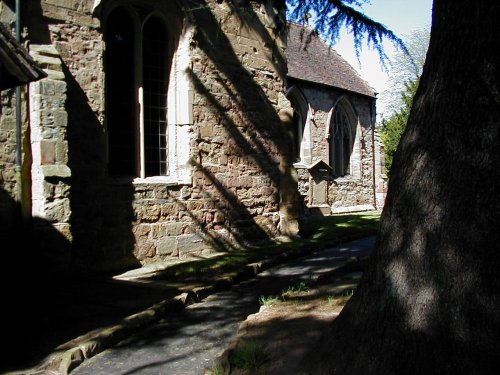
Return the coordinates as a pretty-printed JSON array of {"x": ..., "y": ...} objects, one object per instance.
[
  {"x": 148, "y": 92},
  {"x": 341, "y": 134},
  {"x": 301, "y": 146}
]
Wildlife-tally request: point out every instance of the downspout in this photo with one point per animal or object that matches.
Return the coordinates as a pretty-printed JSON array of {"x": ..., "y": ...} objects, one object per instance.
[{"x": 19, "y": 189}]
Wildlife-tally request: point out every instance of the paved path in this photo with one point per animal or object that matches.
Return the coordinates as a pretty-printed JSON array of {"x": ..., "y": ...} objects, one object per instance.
[{"x": 187, "y": 342}]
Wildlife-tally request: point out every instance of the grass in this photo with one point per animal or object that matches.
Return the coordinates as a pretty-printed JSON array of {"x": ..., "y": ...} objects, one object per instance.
[
  {"x": 215, "y": 370},
  {"x": 328, "y": 228},
  {"x": 300, "y": 287},
  {"x": 313, "y": 231},
  {"x": 250, "y": 356},
  {"x": 268, "y": 300},
  {"x": 297, "y": 288}
]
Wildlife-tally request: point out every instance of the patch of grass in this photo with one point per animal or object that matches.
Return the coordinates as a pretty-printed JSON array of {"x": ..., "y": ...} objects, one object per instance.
[
  {"x": 215, "y": 370},
  {"x": 268, "y": 300},
  {"x": 334, "y": 227},
  {"x": 300, "y": 287},
  {"x": 312, "y": 231},
  {"x": 249, "y": 356}
]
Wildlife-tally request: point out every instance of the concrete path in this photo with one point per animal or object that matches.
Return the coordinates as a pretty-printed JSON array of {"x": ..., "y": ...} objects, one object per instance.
[{"x": 188, "y": 342}]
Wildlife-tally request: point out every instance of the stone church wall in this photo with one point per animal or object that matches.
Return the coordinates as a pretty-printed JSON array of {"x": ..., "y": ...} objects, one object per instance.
[
  {"x": 229, "y": 193},
  {"x": 8, "y": 189},
  {"x": 233, "y": 181},
  {"x": 356, "y": 190}
]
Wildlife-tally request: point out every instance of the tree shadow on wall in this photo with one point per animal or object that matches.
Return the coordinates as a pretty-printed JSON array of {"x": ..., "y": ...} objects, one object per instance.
[
  {"x": 258, "y": 169},
  {"x": 101, "y": 213},
  {"x": 245, "y": 109},
  {"x": 96, "y": 207},
  {"x": 242, "y": 99}
]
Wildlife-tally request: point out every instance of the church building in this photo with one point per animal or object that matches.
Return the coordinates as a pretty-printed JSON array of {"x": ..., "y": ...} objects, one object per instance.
[{"x": 169, "y": 129}]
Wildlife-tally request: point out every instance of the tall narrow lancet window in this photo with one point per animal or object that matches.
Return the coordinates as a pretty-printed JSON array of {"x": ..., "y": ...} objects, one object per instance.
[
  {"x": 121, "y": 110},
  {"x": 297, "y": 132},
  {"x": 155, "y": 81},
  {"x": 137, "y": 72},
  {"x": 300, "y": 148},
  {"x": 341, "y": 142}
]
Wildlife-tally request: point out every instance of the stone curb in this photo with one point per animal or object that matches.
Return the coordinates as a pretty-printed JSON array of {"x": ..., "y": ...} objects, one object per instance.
[{"x": 75, "y": 352}]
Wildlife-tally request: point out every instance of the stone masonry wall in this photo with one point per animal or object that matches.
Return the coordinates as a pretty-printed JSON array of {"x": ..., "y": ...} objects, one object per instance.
[
  {"x": 357, "y": 189},
  {"x": 236, "y": 143},
  {"x": 237, "y": 185},
  {"x": 236, "y": 124},
  {"x": 11, "y": 211},
  {"x": 381, "y": 179},
  {"x": 66, "y": 121},
  {"x": 50, "y": 174},
  {"x": 7, "y": 161},
  {"x": 236, "y": 76}
]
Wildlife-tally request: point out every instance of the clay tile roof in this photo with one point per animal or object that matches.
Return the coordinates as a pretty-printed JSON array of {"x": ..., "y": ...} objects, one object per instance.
[
  {"x": 16, "y": 65},
  {"x": 311, "y": 59}
]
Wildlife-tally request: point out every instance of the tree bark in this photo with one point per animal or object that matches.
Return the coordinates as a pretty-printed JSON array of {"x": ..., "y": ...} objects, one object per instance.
[{"x": 429, "y": 302}]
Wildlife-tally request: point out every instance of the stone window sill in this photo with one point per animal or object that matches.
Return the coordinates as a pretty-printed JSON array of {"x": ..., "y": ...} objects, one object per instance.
[{"x": 130, "y": 180}]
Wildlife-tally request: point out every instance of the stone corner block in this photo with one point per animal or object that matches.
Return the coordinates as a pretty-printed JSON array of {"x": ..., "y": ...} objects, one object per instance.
[{"x": 62, "y": 171}]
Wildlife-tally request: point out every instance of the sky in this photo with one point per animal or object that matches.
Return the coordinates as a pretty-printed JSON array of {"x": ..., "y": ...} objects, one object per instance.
[{"x": 400, "y": 16}]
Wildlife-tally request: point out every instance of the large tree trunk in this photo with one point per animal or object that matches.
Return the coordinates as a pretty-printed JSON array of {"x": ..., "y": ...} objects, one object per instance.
[{"x": 429, "y": 302}]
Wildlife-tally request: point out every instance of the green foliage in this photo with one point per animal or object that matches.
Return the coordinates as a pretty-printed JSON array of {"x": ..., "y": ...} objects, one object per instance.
[
  {"x": 333, "y": 228},
  {"x": 249, "y": 356},
  {"x": 393, "y": 128},
  {"x": 215, "y": 370},
  {"x": 332, "y": 15},
  {"x": 298, "y": 287},
  {"x": 324, "y": 229},
  {"x": 268, "y": 300},
  {"x": 293, "y": 290}
]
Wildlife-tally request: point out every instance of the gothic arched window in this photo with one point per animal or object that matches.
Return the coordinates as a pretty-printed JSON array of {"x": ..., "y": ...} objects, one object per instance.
[
  {"x": 341, "y": 141},
  {"x": 137, "y": 71},
  {"x": 300, "y": 145}
]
